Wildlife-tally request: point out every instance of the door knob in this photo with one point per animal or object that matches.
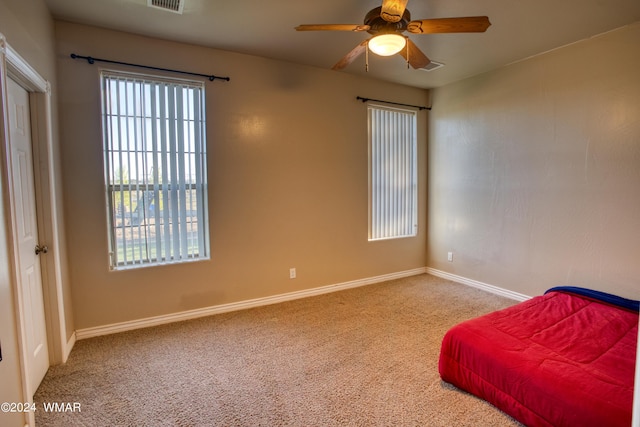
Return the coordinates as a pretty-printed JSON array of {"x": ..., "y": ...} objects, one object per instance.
[{"x": 41, "y": 249}]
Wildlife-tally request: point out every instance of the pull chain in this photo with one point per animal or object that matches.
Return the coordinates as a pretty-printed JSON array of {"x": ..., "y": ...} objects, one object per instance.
[
  {"x": 407, "y": 53},
  {"x": 366, "y": 58}
]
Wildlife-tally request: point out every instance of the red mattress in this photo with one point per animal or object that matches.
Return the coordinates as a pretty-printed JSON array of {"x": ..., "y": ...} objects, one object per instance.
[{"x": 560, "y": 359}]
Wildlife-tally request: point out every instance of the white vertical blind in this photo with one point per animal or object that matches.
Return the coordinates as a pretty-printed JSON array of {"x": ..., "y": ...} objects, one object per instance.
[
  {"x": 155, "y": 167},
  {"x": 393, "y": 194}
]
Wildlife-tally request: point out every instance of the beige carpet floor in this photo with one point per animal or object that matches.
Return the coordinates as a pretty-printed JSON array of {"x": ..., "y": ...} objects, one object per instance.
[{"x": 361, "y": 357}]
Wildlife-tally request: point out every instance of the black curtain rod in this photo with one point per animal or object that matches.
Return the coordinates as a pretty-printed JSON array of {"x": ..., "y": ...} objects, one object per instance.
[
  {"x": 92, "y": 60},
  {"x": 419, "y": 107}
]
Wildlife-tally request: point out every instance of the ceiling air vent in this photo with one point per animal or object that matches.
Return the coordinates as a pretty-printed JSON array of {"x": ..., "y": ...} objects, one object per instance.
[
  {"x": 433, "y": 65},
  {"x": 175, "y": 6}
]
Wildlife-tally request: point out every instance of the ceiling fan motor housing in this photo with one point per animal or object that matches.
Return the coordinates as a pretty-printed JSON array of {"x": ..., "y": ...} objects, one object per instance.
[{"x": 380, "y": 26}]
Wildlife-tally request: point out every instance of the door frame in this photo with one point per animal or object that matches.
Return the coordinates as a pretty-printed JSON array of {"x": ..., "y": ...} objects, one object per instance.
[{"x": 13, "y": 66}]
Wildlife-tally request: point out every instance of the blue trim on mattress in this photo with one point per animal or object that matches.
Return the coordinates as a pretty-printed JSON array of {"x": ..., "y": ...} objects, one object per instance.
[{"x": 600, "y": 296}]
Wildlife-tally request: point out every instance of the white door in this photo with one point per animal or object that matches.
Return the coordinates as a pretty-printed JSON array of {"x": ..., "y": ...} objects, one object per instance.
[{"x": 30, "y": 279}]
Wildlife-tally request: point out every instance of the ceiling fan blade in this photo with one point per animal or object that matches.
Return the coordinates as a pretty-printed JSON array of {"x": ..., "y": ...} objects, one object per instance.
[
  {"x": 468, "y": 24},
  {"x": 417, "y": 58},
  {"x": 351, "y": 56},
  {"x": 332, "y": 27},
  {"x": 392, "y": 10}
]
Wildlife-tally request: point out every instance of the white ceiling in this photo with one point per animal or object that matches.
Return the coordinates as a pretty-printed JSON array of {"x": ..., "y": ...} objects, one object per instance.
[{"x": 520, "y": 28}]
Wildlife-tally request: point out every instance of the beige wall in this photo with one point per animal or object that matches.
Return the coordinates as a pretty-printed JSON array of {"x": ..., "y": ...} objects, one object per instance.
[
  {"x": 534, "y": 170},
  {"x": 287, "y": 151},
  {"x": 28, "y": 28}
]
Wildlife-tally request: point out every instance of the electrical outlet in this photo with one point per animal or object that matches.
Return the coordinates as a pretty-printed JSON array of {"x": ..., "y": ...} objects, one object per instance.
[
  {"x": 450, "y": 256},
  {"x": 292, "y": 273}
]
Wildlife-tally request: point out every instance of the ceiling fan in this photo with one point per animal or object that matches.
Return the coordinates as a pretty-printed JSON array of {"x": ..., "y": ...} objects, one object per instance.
[{"x": 387, "y": 23}]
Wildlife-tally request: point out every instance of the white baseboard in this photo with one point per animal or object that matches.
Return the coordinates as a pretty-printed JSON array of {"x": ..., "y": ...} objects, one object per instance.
[
  {"x": 241, "y": 305},
  {"x": 68, "y": 347},
  {"x": 480, "y": 285}
]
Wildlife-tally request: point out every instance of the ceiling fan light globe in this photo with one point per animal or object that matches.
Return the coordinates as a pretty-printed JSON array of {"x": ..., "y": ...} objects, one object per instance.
[{"x": 387, "y": 44}]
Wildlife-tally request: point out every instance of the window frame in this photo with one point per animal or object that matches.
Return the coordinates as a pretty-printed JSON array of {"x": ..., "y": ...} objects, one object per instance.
[
  {"x": 410, "y": 223},
  {"x": 179, "y": 184}
]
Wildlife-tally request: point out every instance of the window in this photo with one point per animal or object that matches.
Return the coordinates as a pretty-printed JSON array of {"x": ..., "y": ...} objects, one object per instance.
[
  {"x": 155, "y": 169},
  {"x": 393, "y": 188}
]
